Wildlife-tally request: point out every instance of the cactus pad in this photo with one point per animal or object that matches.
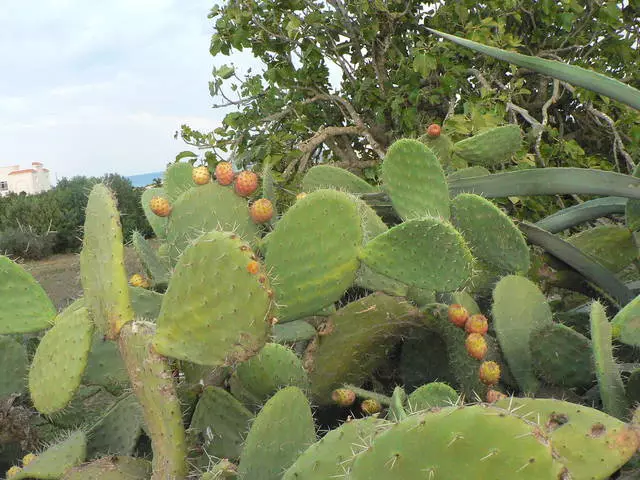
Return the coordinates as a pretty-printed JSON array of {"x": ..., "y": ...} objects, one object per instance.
[
  {"x": 491, "y": 235},
  {"x": 332, "y": 455},
  {"x": 158, "y": 224},
  {"x": 441, "y": 146},
  {"x": 562, "y": 356},
  {"x": 490, "y": 147},
  {"x": 60, "y": 361},
  {"x": 26, "y": 307},
  {"x": 328, "y": 176},
  {"x": 432, "y": 395},
  {"x": 589, "y": 442},
  {"x": 111, "y": 468},
  {"x": 626, "y": 324},
  {"x": 214, "y": 326},
  {"x": 414, "y": 180},
  {"x": 206, "y": 208},
  {"x": 468, "y": 172},
  {"x": 282, "y": 430},
  {"x": 105, "y": 366},
  {"x": 359, "y": 337},
  {"x": 312, "y": 253},
  {"x": 221, "y": 422},
  {"x": 153, "y": 265},
  {"x": 519, "y": 309},
  {"x": 86, "y": 407},
  {"x": 292, "y": 332},
  {"x": 13, "y": 358},
  {"x": 104, "y": 279},
  {"x": 177, "y": 180},
  {"x": 612, "y": 393},
  {"x": 427, "y": 253},
  {"x": 119, "y": 429},
  {"x": 57, "y": 459},
  {"x": 274, "y": 367},
  {"x": 596, "y": 243},
  {"x": 493, "y": 445},
  {"x": 146, "y": 303}
]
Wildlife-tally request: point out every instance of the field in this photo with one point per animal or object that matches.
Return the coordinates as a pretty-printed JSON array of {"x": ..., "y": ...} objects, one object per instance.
[{"x": 59, "y": 275}]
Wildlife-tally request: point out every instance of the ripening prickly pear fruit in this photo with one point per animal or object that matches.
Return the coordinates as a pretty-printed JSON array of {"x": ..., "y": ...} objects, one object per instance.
[
  {"x": 476, "y": 346},
  {"x": 246, "y": 183},
  {"x": 477, "y": 323},
  {"x": 138, "y": 280},
  {"x": 343, "y": 397},
  {"x": 261, "y": 210},
  {"x": 253, "y": 267},
  {"x": 201, "y": 175},
  {"x": 370, "y": 406},
  {"x": 13, "y": 471},
  {"x": 224, "y": 173},
  {"x": 160, "y": 206},
  {"x": 434, "y": 130},
  {"x": 494, "y": 395},
  {"x": 28, "y": 458},
  {"x": 489, "y": 373},
  {"x": 300, "y": 196},
  {"x": 458, "y": 315}
]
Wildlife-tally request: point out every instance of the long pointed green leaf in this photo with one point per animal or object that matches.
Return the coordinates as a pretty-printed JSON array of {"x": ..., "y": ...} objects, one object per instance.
[
  {"x": 549, "y": 181},
  {"x": 585, "y": 212},
  {"x": 572, "y": 74},
  {"x": 592, "y": 271}
]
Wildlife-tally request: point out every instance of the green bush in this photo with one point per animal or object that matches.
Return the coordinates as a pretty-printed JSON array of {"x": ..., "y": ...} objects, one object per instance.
[{"x": 26, "y": 244}]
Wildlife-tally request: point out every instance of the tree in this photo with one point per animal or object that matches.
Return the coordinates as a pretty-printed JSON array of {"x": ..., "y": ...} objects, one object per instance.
[{"x": 396, "y": 78}]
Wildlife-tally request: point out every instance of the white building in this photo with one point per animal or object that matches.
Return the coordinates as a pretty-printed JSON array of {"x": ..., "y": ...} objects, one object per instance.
[{"x": 30, "y": 180}]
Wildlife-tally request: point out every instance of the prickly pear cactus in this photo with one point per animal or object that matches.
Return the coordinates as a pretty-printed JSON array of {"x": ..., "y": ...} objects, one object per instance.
[
  {"x": 57, "y": 459},
  {"x": 13, "y": 358},
  {"x": 158, "y": 224},
  {"x": 328, "y": 176},
  {"x": 490, "y": 147},
  {"x": 111, "y": 468}
]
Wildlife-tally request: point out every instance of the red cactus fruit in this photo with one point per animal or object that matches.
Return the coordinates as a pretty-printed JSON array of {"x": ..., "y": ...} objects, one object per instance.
[
  {"x": 458, "y": 315},
  {"x": 494, "y": 395},
  {"x": 261, "y": 211},
  {"x": 477, "y": 324},
  {"x": 370, "y": 406},
  {"x": 224, "y": 173},
  {"x": 246, "y": 183},
  {"x": 253, "y": 267},
  {"x": 434, "y": 130},
  {"x": 343, "y": 397},
  {"x": 476, "y": 346},
  {"x": 489, "y": 373},
  {"x": 201, "y": 175},
  {"x": 138, "y": 280},
  {"x": 160, "y": 206}
]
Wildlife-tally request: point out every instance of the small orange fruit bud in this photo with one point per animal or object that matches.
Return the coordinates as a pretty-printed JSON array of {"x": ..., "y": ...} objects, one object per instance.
[
  {"x": 246, "y": 183},
  {"x": 476, "y": 346},
  {"x": 458, "y": 315},
  {"x": 224, "y": 173},
  {"x": 253, "y": 267},
  {"x": 343, "y": 397},
  {"x": 489, "y": 373},
  {"x": 434, "y": 130},
  {"x": 201, "y": 175},
  {"x": 261, "y": 210},
  {"x": 477, "y": 324},
  {"x": 160, "y": 206},
  {"x": 370, "y": 406}
]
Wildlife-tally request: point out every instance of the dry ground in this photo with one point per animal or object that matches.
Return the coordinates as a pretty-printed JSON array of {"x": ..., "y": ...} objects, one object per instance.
[{"x": 59, "y": 275}]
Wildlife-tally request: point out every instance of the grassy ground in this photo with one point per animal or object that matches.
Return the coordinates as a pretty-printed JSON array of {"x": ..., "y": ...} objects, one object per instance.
[{"x": 59, "y": 275}]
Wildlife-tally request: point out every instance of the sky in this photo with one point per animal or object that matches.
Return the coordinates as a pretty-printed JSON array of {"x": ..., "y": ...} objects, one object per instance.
[{"x": 91, "y": 87}]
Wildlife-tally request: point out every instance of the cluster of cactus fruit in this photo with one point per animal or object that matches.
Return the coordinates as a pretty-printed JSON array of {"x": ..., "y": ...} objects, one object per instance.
[{"x": 209, "y": 362}]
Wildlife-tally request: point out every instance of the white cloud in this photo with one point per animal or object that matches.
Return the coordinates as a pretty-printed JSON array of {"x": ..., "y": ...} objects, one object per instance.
[{"x": 96, "y": 87}]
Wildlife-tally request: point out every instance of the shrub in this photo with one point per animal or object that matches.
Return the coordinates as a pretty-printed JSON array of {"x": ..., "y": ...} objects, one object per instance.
[{"x": 25, "y": 243}]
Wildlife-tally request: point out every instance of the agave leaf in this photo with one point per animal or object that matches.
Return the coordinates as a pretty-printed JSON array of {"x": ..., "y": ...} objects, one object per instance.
[{"x": 585, "y": 212}]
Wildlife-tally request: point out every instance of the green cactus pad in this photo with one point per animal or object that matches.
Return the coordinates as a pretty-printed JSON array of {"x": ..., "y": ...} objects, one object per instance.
[
  {"x": 328, "y": 176},
  {"x": 105, "y": 366},
  {"x": 468, "y": 172},
  {"x": 372, "y": 226},
  {"x": 111, "y": 468},
  {"x": 206, "y": 208},
  {"x": 491, "y": 147},
  {"x": 358, "y": 339},
  {"x": 177, "y": 180},
  {"x": 282, "y": 430},
  {"x": 626, "y": 324},
  {"x": 312, "y": 254},
  {"x": 214, "y": 326},
  {"x": 274, "y": 367},
  {"x": 612, "y": 393},
  {"x": 86, "y": 407},
  {"x": 491, "y": 235},
  {"x": 431, "y": 395},
  {"x": 60, "y": 361},
  {"x": 597, "y": 244},
  {"x": 592, "y": 444},
  {"x": 155, "y": 268},
  {"x": 26, "y": 307},
  {"x": 153, "y": 385},
  {"x": 221, "y": 423},
  {"x": 427, "y": 253},
  {"x": 461, "y": 298},
  {"x": 119, "y": 429},
  {"x": 331, "y": 456},
  {"x": 292, "y": 332},
  {"x": 414, "y": 180},
  {"x": 633, "y": 387},
  {"x": 158, "y": 224},
  {"x": 441, "y": 146},
  {"x": 424, "y": 359},
  {"x": 519, "y": 309},
  {"x": 102, "y": 271},
  {"x": 57, "y": 459},
  {"x": 13, "y": 358},
  {"x": 459, "y": 442},
  {"x": 561, "y": 356},
  {"x": 146, "y": 303}
]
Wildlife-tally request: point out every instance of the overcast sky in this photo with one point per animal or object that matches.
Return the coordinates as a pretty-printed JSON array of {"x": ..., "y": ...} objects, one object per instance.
[{"x": 90, "y": 87}]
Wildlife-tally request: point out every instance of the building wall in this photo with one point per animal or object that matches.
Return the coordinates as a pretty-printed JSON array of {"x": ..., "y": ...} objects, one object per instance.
[{"x": 31, "y": 180}]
